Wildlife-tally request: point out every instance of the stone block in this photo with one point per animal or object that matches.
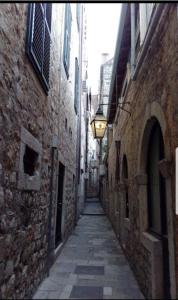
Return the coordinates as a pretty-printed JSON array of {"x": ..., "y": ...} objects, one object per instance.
[
  {"x": 13, "y": 178},
  {"x": 1, "y": 197},
  {"x": 86, "y": 292},
  {"x": 107, "y": 291},
  {"x": 141, "y": 179},
  {"x": 9, "y": 268},
  {"x": 2, "y": 267}
]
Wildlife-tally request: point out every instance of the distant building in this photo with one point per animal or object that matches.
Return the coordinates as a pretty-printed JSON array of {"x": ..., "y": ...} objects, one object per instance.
[
  {"x": 105, "y": 80},
  {"x": 93, "y": 151}
]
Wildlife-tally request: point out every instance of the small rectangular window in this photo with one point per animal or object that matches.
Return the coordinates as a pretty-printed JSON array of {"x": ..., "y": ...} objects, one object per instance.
[{"x": 38, "y": 40}]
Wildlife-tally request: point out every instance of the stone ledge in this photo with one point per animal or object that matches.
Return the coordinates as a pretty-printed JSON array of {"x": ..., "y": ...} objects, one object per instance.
[
  {"x": 148, "y": 241},
  {"x": 28, "y": 139},
  {"x": 154, "y": 246},
  {"x": 26, "y": 182}
]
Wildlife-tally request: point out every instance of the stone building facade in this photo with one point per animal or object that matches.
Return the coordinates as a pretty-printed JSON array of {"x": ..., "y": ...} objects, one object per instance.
[
  {"x": 39, "y": 74},
  {"x": 84, "y": 116},
  {"x": 105, "y": 79},
  {"x": 93, "y": 151},
  {"x": 143, "y": 136}
]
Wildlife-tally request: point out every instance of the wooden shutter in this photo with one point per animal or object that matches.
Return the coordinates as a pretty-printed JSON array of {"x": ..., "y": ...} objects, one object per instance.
[
  {"x": 36, "y": 46},
  {"x": 78, "y": 5},
  {"x": 149, "y": 8},
  {"x": 47, "y": 40},
  {"x": 145, "y": 15},
  {"x": 38, "y": 40},
  {"x": 67, "y": 37},
  {"x": 76, "y": 101},
  {"x": 143, "y": 21}
]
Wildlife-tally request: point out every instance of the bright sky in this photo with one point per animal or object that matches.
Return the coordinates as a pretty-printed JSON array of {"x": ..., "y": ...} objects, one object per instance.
[{"x": 102, "y": 25}]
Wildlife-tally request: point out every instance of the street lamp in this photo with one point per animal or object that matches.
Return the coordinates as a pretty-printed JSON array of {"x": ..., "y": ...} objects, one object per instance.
[{"x": 98, "y": 124}]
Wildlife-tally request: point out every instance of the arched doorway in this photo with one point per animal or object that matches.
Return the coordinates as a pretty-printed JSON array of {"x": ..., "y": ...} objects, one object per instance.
[
  {"x": 156, "y": 199},
  {"x": 124, "y": 222}
]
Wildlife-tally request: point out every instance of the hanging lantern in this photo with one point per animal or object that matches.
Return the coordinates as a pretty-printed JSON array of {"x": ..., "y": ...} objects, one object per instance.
[{"x": 98, "y": 125}]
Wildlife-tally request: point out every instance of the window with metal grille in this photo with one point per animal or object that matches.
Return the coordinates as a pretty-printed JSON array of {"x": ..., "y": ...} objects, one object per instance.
[
  {"x": 76, "y": 92},
  {"x": 38, "y": 40},
  {"x": 67, "y": 36}
]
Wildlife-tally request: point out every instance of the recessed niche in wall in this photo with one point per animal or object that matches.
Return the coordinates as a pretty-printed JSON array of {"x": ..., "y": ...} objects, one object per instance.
[
  {"x": 65, "y": 123},
  {"x": 30, "y": 162},
  {"x": 30, "y": 159}
]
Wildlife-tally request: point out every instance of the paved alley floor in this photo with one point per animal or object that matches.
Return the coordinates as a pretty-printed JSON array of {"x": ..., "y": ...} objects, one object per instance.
[{"x": 91, "y": 264}]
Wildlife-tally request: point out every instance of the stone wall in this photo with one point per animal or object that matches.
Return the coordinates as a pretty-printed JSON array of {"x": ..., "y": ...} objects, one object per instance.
[
  {"x": 24, "y": 104},
  {"x": 153, "y": 93}
]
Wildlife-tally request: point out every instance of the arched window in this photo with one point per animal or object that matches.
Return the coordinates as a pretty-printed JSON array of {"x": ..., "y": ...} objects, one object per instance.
[
  {"x": 157, "y": 217},
  {"x": 156, "y": 191},
  {"x": 117, "y": 170},
  {"x": 125, "y": 177}
]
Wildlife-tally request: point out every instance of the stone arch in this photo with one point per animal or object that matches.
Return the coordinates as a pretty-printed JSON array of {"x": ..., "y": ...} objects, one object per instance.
[{"x": 154, "y": 113}]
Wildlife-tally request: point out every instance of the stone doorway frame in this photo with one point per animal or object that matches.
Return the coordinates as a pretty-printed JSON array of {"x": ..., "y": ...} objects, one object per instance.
[
  {"x": 154, "y": 110},
  {"x": 123, "y": 188}
]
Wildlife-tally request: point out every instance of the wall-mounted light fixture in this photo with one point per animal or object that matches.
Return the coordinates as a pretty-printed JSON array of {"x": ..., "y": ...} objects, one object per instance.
[{"x": 99, "y": 124}]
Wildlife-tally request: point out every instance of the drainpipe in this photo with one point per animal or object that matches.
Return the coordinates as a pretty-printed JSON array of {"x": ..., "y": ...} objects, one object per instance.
[
  {"x": 149, "y": 35},
  {"x": 132, "y": 39}
]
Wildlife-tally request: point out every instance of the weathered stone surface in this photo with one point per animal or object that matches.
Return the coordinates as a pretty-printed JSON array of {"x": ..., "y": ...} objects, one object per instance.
[
  {"x": 79, "y": 256},
  {"x": 1, "y": 197},
  {"x": 151, "y": 95},
  {"x": 9, "y": 268},
  {"x": 29, "y": 116},
  {"x": 2, "y": 265}
]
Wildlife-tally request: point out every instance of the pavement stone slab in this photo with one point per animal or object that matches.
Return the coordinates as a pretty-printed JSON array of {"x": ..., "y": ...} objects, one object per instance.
[
  {"x": 54, "y": 294},
  {"x": 86, "y": 292},
  {"x": 66, "y": 292},
  {"x": 41, "y": 295},
  {"x": 91, "y": 265},
  {"x": 107, "y": 291},
  {"x": 90, "y": 270}
]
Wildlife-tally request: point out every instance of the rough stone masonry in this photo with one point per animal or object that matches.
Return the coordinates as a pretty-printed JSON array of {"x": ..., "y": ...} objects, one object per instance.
[{"x": 28, "y": 121}]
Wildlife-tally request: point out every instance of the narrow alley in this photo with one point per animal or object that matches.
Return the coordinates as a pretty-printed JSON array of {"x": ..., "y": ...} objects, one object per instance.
[
  {"x": 91, "y": 264},
  {"x": 88, "y": 150}
]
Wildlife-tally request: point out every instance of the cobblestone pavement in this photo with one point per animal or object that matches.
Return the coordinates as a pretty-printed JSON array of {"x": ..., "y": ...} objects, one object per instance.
[{"x": 91, "y": 264}]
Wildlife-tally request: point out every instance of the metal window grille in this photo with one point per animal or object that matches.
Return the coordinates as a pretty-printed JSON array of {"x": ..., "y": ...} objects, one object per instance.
[
  {"x": 39, "y": 40},
  {"x": 67, "y": 37}
]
